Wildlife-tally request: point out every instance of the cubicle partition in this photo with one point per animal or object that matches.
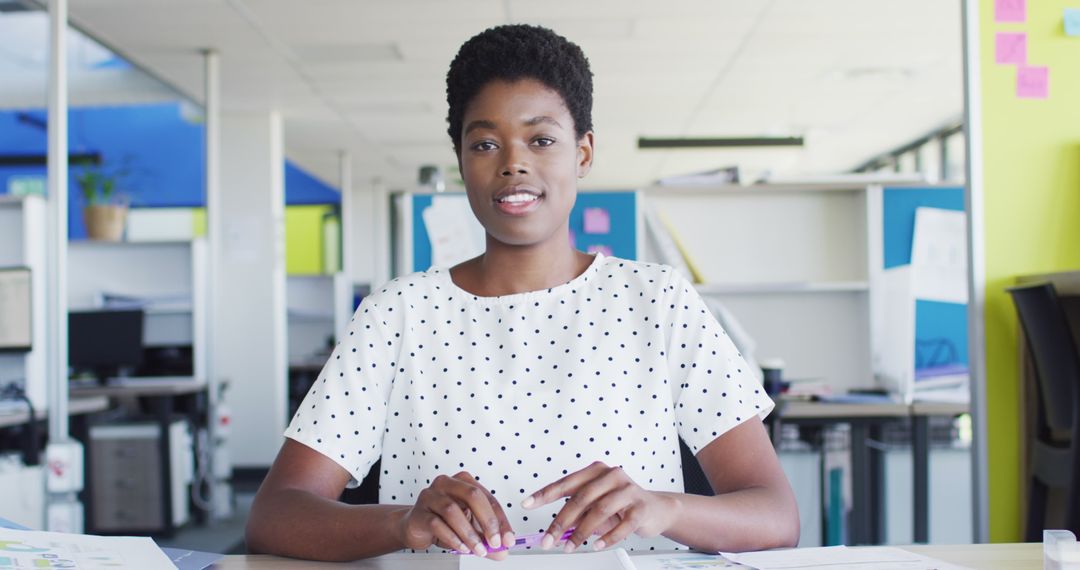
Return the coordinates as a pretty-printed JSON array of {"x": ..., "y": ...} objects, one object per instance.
[
  {"x": 164, "y": 279},
  {"x": 22, "y": 245}
]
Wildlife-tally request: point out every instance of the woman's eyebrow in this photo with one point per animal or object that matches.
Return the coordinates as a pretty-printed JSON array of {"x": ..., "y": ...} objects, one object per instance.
[
  {"x": 481, "y": 124},
  {"x": 542, "y": 119}
]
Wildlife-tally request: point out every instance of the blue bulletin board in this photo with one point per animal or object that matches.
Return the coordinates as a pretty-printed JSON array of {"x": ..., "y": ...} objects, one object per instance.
[
  {"x": 940, "y": 328},
  {"x": 617, "y": 212}
]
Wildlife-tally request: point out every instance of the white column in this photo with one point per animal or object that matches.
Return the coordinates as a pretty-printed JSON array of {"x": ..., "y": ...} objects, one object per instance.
[
  {"x": 976, "y": 266},
  {"x": 348, "y": 214},
  {"x": 63, "y": 511},
  {"x": 58, "y": 221},
  {"x": 379, "y": 216},
  {"x": 218, "y": 462},
  {"x": 249, "y": 283}
]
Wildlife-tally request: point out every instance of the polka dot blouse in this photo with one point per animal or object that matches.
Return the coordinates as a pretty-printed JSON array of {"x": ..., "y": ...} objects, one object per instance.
[{"x": 615, "y": 366}]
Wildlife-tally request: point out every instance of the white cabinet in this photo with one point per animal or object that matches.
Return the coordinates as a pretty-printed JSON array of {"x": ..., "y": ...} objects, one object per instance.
[{"x": 23, "y": 226}]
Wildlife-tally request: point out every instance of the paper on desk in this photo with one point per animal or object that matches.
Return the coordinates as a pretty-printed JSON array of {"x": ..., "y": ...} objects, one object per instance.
[
  {"x": 939, "y": 255},
  {"x": 39, "y": 549},
  {"x": 614, "y": 559},
  {"x": 683, "y": 561},
  {"x": 191, "y": 559},
  {"x": 894, "y": 359},
  {"x": 839, "y": 558},
  {"x": 453, "y": 230}
]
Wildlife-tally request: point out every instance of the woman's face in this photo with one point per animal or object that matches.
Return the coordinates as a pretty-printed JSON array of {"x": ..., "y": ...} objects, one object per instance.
[{"x": 520, "y": 159}]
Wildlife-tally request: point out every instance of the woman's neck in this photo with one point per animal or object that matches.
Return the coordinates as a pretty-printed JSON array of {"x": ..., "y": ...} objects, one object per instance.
[{"x": 507, "y": 270}]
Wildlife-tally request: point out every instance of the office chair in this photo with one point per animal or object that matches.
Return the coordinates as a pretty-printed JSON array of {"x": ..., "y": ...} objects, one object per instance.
[
  {"x": 694, "y": 480},
  {"x": 1053, "y": 456}
]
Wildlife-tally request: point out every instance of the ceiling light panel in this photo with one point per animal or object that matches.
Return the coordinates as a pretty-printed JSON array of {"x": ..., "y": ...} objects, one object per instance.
[
  {"x": 347, "y": 53},
  {"x": 312, "y": 21},
  {"x": 184, "y": 26}
]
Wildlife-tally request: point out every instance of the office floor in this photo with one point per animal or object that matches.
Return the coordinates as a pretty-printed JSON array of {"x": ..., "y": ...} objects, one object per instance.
[{"x": 223, "y": 537}]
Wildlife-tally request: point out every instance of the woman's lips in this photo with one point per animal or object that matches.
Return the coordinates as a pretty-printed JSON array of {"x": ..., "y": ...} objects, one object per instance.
[{"x": 517, "y": 202}]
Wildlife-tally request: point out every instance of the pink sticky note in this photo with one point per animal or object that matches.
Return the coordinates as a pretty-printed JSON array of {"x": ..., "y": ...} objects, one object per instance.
[
  {"x": 597, "y": 221},
  {"x": 1011, "y": 48},
  {"x": 1010, "y": 11},
  {"x": 600, "y": 249},
  {"x": 1032, "y": 82}
]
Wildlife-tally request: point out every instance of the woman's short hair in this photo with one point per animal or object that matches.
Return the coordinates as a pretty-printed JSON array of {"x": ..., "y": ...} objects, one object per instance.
[{"x": 515, "y": 52}]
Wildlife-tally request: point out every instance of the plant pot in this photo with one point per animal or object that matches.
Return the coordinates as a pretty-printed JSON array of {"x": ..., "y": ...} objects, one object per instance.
[{"x": 105, "y": 222}]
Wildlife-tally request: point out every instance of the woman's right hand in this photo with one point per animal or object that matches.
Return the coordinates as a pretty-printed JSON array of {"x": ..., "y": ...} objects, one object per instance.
[{"x": 456, "y": 513}]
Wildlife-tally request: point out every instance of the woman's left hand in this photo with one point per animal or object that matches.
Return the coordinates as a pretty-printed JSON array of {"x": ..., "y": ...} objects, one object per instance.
[{"x": 603, "y": 501}]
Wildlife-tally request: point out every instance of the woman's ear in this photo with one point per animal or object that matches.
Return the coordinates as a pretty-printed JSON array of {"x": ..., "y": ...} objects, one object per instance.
[{"x": 585, "y": 154}]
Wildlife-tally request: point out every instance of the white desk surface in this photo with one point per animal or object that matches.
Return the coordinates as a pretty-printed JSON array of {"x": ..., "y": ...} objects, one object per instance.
[
  {"x": 1022, "y": 556},
  {"x": 76, "y": 405}
]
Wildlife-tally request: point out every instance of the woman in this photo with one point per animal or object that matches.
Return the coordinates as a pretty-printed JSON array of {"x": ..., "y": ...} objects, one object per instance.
[{"x": 533, "y": 373}]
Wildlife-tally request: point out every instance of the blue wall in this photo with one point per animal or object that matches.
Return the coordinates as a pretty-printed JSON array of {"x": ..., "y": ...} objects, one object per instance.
[{"x": 162, "y": 149}]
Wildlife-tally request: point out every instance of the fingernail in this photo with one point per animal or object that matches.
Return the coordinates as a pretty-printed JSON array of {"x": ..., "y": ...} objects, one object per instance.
[
  {"x": 598, "y": 545},
  {"x": 547, "y": 542},
  {"x": 479, "y": 550},
  {"x": 570, "y": 546},
  {"x": 528, "y": 502},
  {"x": 495, "y": 541},
  {"x": 508, "y": 539},
  {"x": 463, "y": 547}
]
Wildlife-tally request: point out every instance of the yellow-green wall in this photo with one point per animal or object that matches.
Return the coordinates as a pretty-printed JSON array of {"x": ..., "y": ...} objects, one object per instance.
[
  {"x": 1031, "y": 168},
  {"x": 304, "y": 239}
]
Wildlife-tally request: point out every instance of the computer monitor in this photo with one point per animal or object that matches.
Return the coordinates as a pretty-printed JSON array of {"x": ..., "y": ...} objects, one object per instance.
[
  {"x": 107, "y": 343},
  {"x": 16, "y": 334}
]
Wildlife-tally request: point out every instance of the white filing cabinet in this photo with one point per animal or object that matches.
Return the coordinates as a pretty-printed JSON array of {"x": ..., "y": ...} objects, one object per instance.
[{"x": 131, "y": 488}]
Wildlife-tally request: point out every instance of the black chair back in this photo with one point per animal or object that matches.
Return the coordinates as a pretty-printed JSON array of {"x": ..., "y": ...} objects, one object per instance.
[
  {"x": 1053, "y": 349},
  {"x": 1054, "y": 462}
]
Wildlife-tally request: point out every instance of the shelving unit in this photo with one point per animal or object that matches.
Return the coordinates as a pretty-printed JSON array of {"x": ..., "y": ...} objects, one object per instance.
[
  {"x": 318, "y": 308},
  {"x": 798, "y": 265},
  {"x": 790, "y": 262},
  {"x": 166, "y": 277},
  {"x": 792, "y": 287}
]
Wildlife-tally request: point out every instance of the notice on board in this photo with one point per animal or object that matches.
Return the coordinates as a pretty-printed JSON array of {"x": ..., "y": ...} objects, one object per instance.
[
  {"x": 1010, "y": 11},
  {"x": 1033, "y": 82},
  {"x": 1072, "y": 22},
  {"x": 1011, "y": 47}
]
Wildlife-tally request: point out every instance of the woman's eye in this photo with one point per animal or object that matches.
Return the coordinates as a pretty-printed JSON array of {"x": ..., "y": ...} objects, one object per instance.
[
  {"x": 484, "y": 145},
  {"x": 544, "y": 141}
]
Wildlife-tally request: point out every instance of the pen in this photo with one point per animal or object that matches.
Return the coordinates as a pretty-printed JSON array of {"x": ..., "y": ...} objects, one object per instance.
[{"x": 523, "y": 541}]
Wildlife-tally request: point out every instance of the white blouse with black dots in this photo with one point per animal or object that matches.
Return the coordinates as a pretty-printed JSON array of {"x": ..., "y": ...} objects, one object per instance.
[{"x": 520, "y": 390}]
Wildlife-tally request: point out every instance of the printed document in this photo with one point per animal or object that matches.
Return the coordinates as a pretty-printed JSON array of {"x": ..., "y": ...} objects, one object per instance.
[{"x": 39, "y": 549}]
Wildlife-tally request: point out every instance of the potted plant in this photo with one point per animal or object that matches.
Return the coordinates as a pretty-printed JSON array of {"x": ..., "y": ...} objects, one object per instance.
[{"x": 104, "y": 206}]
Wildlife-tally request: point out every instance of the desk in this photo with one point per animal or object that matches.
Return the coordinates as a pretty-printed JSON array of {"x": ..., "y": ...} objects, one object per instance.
[
  {"x": 1022, "y": 556},
  {"x": 866, "y": 421},
  {"x": 162, "y": 399},
  {"x": 76, "y": 406}
]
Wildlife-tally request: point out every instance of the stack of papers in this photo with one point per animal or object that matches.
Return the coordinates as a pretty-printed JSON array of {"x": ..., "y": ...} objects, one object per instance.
[
  {"x": 839, "y": 558},
  {"x": 38, "y": 549},
  {"x": 947, "y": 383}
]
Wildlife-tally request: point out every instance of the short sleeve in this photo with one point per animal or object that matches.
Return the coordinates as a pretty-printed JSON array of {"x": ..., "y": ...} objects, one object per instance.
[
  {"x": 713, "y": 388},
  {"x": 343, "y": 415}
]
